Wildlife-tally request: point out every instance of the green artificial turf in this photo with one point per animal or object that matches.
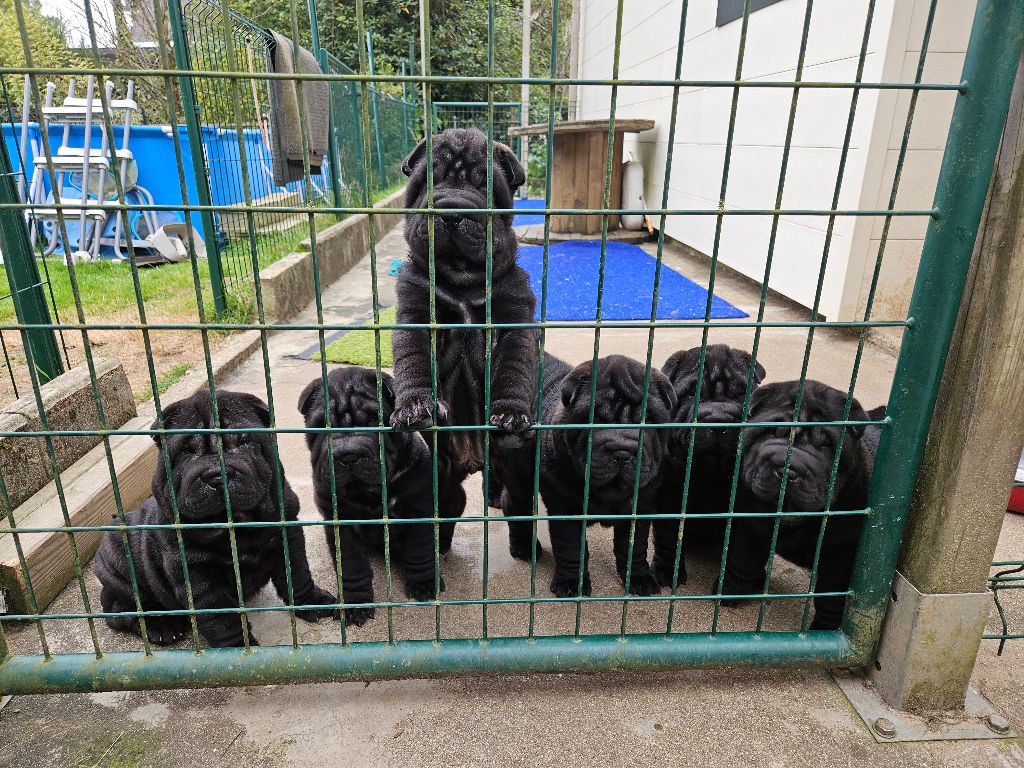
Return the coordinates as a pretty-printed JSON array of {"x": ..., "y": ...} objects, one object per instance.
[{"x": 358, "y": 348}]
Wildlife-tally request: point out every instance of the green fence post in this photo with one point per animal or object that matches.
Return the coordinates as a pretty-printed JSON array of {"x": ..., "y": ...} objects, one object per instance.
[
  {"x": 333, "y": 160},
  {"x": 333, "y": 156},
  {"x": 24, "y": 281},
  {"x": 405, "y": 110},
  {"x": 195, "y": 142},
  {"x": 356, "y": 126},
  {"x": 376, "y": 113},
  {"x": 977, "y": 124}
]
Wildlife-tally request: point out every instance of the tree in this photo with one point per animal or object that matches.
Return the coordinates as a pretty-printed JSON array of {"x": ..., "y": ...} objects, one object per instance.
[
  {"x": 458, "y": 38},
  {"x": 46, "y": 46}
]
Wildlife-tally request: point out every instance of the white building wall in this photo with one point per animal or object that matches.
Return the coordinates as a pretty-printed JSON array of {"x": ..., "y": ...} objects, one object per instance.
[{"x": 649, "y": 40}]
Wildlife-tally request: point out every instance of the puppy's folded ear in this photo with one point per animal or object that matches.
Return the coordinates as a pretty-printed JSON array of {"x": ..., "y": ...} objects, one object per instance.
[
  {"x": 311, "y": 396},
  {"x": 681, "y": 370},
  {"x": 259, "y": 408},
  {"x": 571, "y": 387},
  {"x": 387, "y": 384},
  {"x": 169, "y": 413},
  {"x": 509, "y": 164},
  {"x": 857, "y": 414},
  {"x": 661, "y": 387},
  {"x": 414, "y": 158},
  {"x": 759, "y": 373}
]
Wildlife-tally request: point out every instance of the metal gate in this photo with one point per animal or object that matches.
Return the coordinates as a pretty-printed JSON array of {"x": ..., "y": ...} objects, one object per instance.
[{"x": 982, "y": 96}]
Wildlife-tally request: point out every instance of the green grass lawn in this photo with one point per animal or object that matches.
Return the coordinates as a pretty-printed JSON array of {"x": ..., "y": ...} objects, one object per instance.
[
  {"x": 359, "y": 347},
  {"x": 107, "y": 288}
]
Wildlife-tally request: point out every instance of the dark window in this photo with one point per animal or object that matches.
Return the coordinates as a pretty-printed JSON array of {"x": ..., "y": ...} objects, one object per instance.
[{"x": 730, "y": 10}]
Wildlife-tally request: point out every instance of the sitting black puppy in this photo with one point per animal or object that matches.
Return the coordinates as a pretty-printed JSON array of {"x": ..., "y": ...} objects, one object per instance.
[
  {"x": 613, "y": 468},
  {"x": 357, "y": 483},
  {"x": 459, "y": 167},
  {"x": 722, "y": 391},
  {"x": 814, "y": 448},
  {"x": 199, "y": 491}
]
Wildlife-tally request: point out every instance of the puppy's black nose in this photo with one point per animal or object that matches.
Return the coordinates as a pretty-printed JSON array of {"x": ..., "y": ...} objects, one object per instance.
[
  {"x": 624, "y": 456},
  {"x": 212, "y": 476},
  {"x": 450, "y": 202},
  {"x": 346, "y": 458}
]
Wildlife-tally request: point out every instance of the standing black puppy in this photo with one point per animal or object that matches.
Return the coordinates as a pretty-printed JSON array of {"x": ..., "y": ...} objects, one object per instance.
[
  {"x": 199, "y": 492},
  {"x": 814, "y": 450},
  {"x": 357, "y": 480},
  {"x": 459, "y": 168},
  {"x": 723, "y": 389},
  {"x": 513, "y": 467},
  {"x": 613, "y": 467}
]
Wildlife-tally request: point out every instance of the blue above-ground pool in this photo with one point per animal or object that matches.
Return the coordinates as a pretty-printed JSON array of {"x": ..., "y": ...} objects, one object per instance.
[
  {"x": 153, "y": 149},
  {"x": 574, "y": 269}
]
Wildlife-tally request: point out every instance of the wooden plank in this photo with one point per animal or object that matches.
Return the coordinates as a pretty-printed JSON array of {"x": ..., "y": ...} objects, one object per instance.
[
  {"x": 596, "y": 160},
  {"x": 629, "y": 125},
  {"x": 616, "y": 196},
  {"x": 90, "y": 501},
  {"x": 563, "y": 184}
]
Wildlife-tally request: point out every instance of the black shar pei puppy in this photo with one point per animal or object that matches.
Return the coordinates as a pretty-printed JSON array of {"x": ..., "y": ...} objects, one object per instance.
[
  {"x": 460, "y": 246},
  {"x": 613, "y": 468},
  {"x": 814, "y": 450},
  {"x": 513, "y": 467},
  {"x": 199, "y": 492},
  {"x": 722, "y": 391},
  {"x": 357, "y": 482}
]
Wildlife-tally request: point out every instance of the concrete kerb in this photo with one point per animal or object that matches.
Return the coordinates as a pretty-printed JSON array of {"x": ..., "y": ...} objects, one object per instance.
[
  {"x": 69, "y": 404},
  {"x": 223, "y": 360},
  {"x": 287, "y": 285}
]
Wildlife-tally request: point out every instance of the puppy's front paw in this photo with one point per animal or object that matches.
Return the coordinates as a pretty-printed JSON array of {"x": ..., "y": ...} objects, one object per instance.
[
  {"x": 663, "y": 572},
  {"x": 512, "y": 423},
  {"x": 356, "y": 617},
  {"x": 642, "y": 583},
  {"x": 318, "y": 597},
  {"x": 511, "y": 420},
  {"x": 422, "y": 590},
  {"x": 418, "y": 413},
  {"x": 521, "y": 550},
  {"x": 166, "y": 630},
  {"x": 569, "y": 586}
]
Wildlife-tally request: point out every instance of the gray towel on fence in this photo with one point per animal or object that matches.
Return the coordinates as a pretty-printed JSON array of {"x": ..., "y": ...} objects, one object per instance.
[{"x": 285, "y": 126}]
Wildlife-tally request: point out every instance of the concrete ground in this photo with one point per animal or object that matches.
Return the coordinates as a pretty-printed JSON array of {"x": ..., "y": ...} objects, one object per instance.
[{"x": 720, "y": 717}]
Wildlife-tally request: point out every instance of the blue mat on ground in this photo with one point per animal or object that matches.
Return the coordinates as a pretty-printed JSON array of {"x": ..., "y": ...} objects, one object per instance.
[
  {"x": 573, "y": 270},
  {"x": 526, "y": 219}
]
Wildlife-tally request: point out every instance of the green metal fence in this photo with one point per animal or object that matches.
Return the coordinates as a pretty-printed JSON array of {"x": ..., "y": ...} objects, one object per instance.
[
  {"x": 217, "y": 39},
  {"x": 1006, "y": 578},
  {"x": 476, "y": 114},
  {"x": 459, "y": 635}
]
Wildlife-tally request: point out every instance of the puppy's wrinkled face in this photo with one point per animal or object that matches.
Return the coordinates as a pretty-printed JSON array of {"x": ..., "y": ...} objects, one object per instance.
[
  {"x": 723, "y": 388},
  {"x": 619, "y": 397},
  {"x": 814, "y": 447},
  {"x": 460, "y": 181},
  {"x": 195, "y": 465},
  {"x": 353, "y": 402}
]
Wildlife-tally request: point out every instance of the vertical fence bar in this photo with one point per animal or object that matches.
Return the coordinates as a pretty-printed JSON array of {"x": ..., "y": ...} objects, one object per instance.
[
  {"x": 977, "y": 124},
  {"x": 23, "y": 278},
  {"x": 333, "y": 160},
  {"x": 195, "y": 142},
  {"x": 372, "y": 89}
]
